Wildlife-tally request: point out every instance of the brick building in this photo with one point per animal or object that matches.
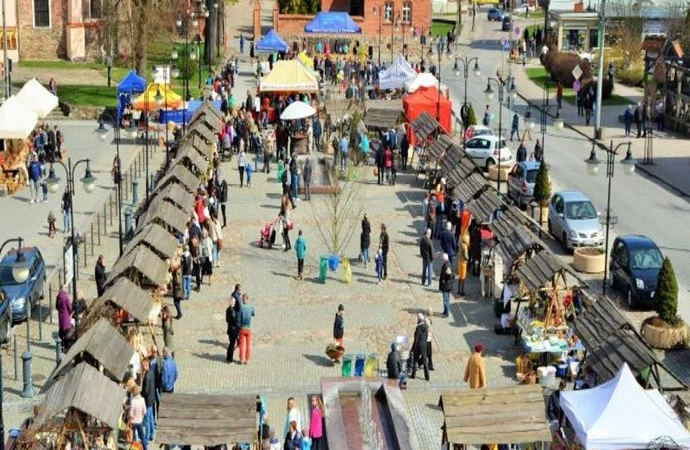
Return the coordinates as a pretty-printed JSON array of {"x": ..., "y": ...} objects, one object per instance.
[{"x": 394, "y": 20}]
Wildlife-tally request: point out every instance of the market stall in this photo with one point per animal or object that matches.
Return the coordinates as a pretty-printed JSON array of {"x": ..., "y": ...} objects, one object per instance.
[
  {"x": 332, "y": 22},
  {"x": 177, "y": 195},
  {"x": 146, "y": 102},
  {"x": 621, "y": 414},
  {"x": 142, "y": 266},
  {"x": 180, "y": 175},
  {"x": 498, "y": 415},
  {"x": 271, "y": 42},
  {"x": 123, "y": 303},
  {"x": 37, "y": 98},
  {"x": 289, "y": 77},
  {"x": 131, "y": 85},
  {"x": 397, "y": 76},
  {"x": 423, "y": 130},
  {"x": 428, "y": 100},
  {"x": 165, "y": 214},
  {"x": 17, "y": 122},
  {"x": 207, "y": 420}
]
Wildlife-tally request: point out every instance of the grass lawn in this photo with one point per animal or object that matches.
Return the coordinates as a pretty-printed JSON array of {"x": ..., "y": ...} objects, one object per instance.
[
  {"x": 80, "y": 95},
  {"x": 441, "y": 28},
  {"x": 539, "y": 76}
]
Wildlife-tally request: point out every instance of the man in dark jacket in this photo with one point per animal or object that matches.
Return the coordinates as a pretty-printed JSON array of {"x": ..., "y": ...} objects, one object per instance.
[
  {"x": 384, "y": 244},
  {"x": 448, "y": 243},
  {"x": 35, "y": 175},
  {"x": 395, "y": 367},
  {"x": 232, "y": 330},
  {"x": 553, "y": 410},
  {"x": 521, "y": 153},
  {"x": 339, "y": 326},
  {"x": 52, "y": 145},
  {"x": 404, "y": 151},
  {"x": 445, "y": 284},
  {"x": 306, "y": 174},
  {"x": 148, "y": 391},
  {"x": 421, "y": 334},
  {"x": 237, "y": 295},
  {"x": 379, "y": 163},
  {"x": 100, "y": 276},
  {"x": 426, "y": 251}
]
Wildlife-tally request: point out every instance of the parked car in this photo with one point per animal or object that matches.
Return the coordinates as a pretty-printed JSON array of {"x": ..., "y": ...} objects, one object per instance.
[
  {"x": 574, "y": 221},
  {"x": 505, "y": 22},
  {"x": 495, "y": 14},
  {"x": 522, "y": 9},
  {"x": 486, "y": 151},
  {"x": 5, "y": 317},
  {"x": 521, "y": 182},
  {"x": 633, "y": 268},
  {"x": 478, "y": 130},
  {"x": 31, "y": 290}
]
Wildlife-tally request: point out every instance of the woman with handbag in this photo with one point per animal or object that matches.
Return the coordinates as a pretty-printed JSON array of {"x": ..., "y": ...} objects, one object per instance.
[
  {"x": 216, "y": 233},
  {"x": 207, "y": 255},
  {"x": 286, "y": 226}
]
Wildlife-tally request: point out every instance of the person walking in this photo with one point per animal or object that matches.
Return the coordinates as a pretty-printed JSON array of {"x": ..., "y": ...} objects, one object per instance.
[
  {"x": 638, "y": 119},
  {"x": 100, "y": 276},
  {"x": 63, "y": 305},
  {"x": 339, "y": 327},
  {"x": 559, "y": 95},
  {"x": 148, "y": 392},
  {"x": 197, "y": 259},
  {"x": 301, "y": 251},
  {"x": 316, "y": 423},
  {"x": 463, "y": 256},
  {"x": 245, "y": 333},
  {"x": 306, "y": 175},
  {"x": 187, "y": 271},
  {"x": 514, "y": 127},
  {"x": 388, "y": 165},
  {"x": 538, "y": 152},
  {"x": 426, "y": 251},
  {"x": 521, "y": 154},
  {"x": 627, "y": 119},
  {"x": 168, "y": 330},
  {"x": 475, "y": 375},
  {"x": 168, "y": 372},
  {"x": 449, "y": 244},
  {"x": 294, "y": 176},
  {"x": 293, "y": 416},
  {"x": 207, "y": 255},
  {"x": 232, "y": 330},
  {"x": 241, "y": 163},
  {"x": 404, "y": 151},
  {"x": 365, "y": 241},
  {"x": 430, "y": 337},
  {"x": 383, "y": 246},
  {"x": 660, "y": 109},
  {"x": 35, "y": 175},
  {"x": 177, "y": 289},
  {"x": 419, "y": 347},
  {"x": 66, "y": 206},
  {"x": 137, "y": 412},
  {"x": 379, "y": 159},
  {"x": 445, "y": 284}
]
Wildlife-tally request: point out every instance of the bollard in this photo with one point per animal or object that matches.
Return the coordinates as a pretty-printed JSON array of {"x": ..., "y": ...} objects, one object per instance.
[
  {"x": 150, "y": 183},
  {"x": 135, "y": 191},
  {"x": 110, "y": 208},
  {"x": 50, "y": 301},
  {"x": 40, "y": 322},
  {"x": 28, "y": 391},
  {"x": 105, "y": 220},
  {"x": 86, "y": 247},
  {"x": 58, "y": 350},
  {"x": 28, "y": 326},
  {"x": 533, "y": 210},
  {"x": 98, "y": 222},
  {"x": 128, "y": 219},
  {"x": 91, "y": 238},
  {"x": 16, "y": 370}
]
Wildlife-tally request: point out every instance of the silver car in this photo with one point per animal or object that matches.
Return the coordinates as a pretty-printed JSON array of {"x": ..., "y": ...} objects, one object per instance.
[{"x": 574, "y": 221}]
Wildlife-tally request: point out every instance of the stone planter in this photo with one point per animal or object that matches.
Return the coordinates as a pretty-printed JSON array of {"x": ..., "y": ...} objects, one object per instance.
[
  {"x": 660, "y": 335},
  {"x": 589, "y": 259},
  {"x": 493, "y": 172}
]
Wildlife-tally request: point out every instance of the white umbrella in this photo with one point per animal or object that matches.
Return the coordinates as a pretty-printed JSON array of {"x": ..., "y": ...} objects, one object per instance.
[{"x": 297, "y": 110}]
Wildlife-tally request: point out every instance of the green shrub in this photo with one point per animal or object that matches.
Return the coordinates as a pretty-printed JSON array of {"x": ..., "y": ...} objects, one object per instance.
[
  {"x": 471, "y": 116},
  {"x": 666, "y": 296},
  {"x": 542, "y": 186},
  {"x": 630, "y": 77}
]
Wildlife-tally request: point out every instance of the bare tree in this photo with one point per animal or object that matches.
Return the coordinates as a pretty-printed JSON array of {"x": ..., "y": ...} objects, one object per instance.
[{"x": 338, "y": 213}]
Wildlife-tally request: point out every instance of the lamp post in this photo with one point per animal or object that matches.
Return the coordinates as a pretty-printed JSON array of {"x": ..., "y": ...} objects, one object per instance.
[
  {"x": 557, "y": 122},
  {"x": 593, "y": 168},
  {"x": 20, "y": 273},
  {"x": 198, "y": 54},
  {"x": 393, "y": 26},
  {"x": 507, "y": 85},
  {"x": 89, "y": 184},
  {"x": 465, "y": 62},
  {"x": 218, "y": 26},
  {"x": 380, "y": 15},
  {"x": 117, "y": 176},
  {"x": 424, "y": 34}
]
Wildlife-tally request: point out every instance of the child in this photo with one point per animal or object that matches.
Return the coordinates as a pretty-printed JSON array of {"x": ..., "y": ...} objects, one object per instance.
[
  {"x": 248, "y": 171},
  {"x": 51, "y": 224},
  {"x": 44, "y": 188},
  {"x": 378, "y": 261},
  {"x": 306, "y": 440}
]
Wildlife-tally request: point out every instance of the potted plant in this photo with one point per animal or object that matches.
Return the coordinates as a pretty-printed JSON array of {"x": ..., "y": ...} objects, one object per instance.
[
  {"x": 589, "y": 259},
  {"x": 666, "y": 330},
  {"x": 542, "y": 193}
]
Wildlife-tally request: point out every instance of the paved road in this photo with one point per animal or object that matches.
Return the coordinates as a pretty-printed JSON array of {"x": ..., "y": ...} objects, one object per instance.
[{"x": 641, "y": 204}]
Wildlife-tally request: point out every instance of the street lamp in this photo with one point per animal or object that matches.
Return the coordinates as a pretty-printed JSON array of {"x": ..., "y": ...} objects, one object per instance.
[
  {"x": 593, "y": 164},
  {"x": 504, "y": 86},
  {"x": 117, "y": 176},
  {"x": 198, "y": 55},
  {"x": 380, "y": 16},
  {"x": 89, "y": 184},
  {"x": 465, "y": 62}
]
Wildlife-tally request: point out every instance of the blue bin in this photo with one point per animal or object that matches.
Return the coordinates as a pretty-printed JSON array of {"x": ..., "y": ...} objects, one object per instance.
[{"x": 359, "y": 364}]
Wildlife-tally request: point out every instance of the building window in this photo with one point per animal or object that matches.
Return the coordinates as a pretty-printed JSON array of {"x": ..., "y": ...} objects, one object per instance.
[
  {"x": 42, "y": 13},
  {"x": 407, "y": 12},
  {"x": 388, "y": 12},
  {"x": 91, "y": 9}
]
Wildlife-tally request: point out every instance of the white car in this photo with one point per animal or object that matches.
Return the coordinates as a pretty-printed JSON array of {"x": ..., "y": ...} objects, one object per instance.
[
  {"x": 488, "y": 150},
  {"x": 478, "y": 130}
]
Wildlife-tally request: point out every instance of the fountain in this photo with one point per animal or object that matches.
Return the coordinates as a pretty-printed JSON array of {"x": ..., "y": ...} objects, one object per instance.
[
  {"x": 365, "y": 414},
  {"x": 323, "y": 180}
]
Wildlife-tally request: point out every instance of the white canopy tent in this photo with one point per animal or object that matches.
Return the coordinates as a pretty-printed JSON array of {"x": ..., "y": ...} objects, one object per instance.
[
  {"x": 621, "y": 414},
  {"x": 37, "y": 98},
  {"x": 424, "y": 80},
  {"x": 17, "y": 121},
  {"x": 397, "y": 75}
]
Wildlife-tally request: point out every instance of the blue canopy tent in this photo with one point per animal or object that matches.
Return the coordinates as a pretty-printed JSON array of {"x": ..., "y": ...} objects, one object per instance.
[
  {"x": 129, "y": 85},
  {"x": 271, "y": 43},
  {"x": 332, "y": 23},
  {"x": 178, "y": 116}
]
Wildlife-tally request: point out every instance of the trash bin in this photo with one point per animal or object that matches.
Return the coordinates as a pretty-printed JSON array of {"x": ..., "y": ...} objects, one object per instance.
[
  {"x": 371, "y": 365},
  {"x": 323, "y": 269},
  {"x": 359, "y": 364},
  {"x": 346, "y": 368},
  {"x": 347, "y": 270}
]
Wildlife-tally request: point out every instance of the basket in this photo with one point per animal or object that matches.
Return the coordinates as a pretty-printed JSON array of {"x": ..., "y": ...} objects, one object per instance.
[{"x": 335, "y": 351}]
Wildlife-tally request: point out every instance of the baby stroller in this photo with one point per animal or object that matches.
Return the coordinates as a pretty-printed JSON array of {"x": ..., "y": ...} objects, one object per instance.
[{"x": 267, "y": 236}]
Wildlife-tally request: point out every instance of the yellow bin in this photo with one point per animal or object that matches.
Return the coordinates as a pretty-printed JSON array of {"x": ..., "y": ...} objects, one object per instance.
[{"x": 371, "y": 365}]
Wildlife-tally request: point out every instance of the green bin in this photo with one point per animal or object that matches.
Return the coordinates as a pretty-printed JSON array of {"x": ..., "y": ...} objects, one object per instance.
[
  {"x": 346, "y": 368},
  {"x": 323, "y": 269}
]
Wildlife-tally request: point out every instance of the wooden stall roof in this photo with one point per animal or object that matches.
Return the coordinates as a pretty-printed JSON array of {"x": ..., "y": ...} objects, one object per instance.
[
  {"x": 485, "y": 205},
  {"x": 194, "y": 141},
  {"x": 87, "y": 390},
  {"x": 457, "y": 174},
  {"x": 539, "y": 270},
  {"x": 202, "y": 131},
  {"x": 619, "y": 347},
  {"x": 130, "y": 297},
  {"x": 470, "y": 186},
  {"x": 175, "y": 194},
  {"x": 598, "y": 322},
  {"x": 202, "y": 419},
  {"x": 438, "y": 147},
  {"x": 156, "y": 237},
  {"x": 104, "y": 344},
  {"x": 506, "y": 414},
  {"x": 451, "y": 157},
  {"x": 166, "y": 212},
  {"x": 208, "y": 113},
  {"x": 144, "y": 261},
  {"x": 182, "y": 175},
  {"x": 383, "y": 119},
  {"x": 392, "y": 104},
  {"x": 424, "y": 126},
  {"x": 191, "y": 158},
  {"x": 339, "y": 107},
  {"x": 517, "y": 242},
  {"x": 510, "y": 218}
]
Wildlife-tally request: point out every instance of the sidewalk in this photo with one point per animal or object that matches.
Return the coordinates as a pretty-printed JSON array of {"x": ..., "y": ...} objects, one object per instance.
[{"x": 671, "y": 157}]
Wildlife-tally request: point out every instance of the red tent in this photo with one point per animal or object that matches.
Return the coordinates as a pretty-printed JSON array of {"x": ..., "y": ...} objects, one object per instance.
[{"x": 427, "y": 99}]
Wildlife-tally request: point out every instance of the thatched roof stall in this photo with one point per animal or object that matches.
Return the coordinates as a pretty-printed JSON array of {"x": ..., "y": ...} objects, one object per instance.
[
  {"x": 142, "y": 266},
  {"x": 156, "y": 238},
  {"x": 208, "y": 113},
  {"x": 201, "y": 140},
  {"x": 540, "y": 270},
  {"x": 505, "y": 414},
  {"x": 452, "y": 157},
  {"x": 469, "y": 187},
  {"x": 192, "y": 160},
  {"x": 164, "y": 213},
  {"x": 424, "y": 126},
  {"x": 128, "y": 296},
  {"x": 181, "y": 175},
  {"x": 199, "y": 419},
  {"x": 438, "y": 148},
  {"x": 463, "y": 169},
  {"x": 104, "y": 346},
  {"x": 175, "y": 194}
]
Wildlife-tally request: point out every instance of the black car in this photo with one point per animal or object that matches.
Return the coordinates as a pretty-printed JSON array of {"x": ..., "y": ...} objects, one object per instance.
[
  {"x": 26, "y": 295},
  {"x": 505, "y": 23},
  {"x": 5, "y": 317},
  {"x": 634, "y": 267}
]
